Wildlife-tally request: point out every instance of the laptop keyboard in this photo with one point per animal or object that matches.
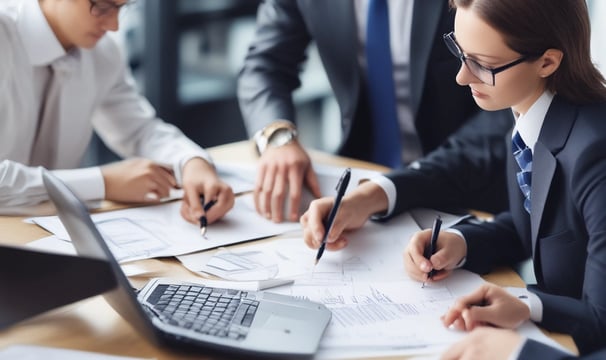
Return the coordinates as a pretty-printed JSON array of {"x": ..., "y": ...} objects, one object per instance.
[{"x": 225, "y": 313}]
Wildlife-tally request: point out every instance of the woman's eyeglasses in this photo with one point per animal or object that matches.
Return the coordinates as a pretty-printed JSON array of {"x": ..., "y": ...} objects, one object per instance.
[{"x": 483, "y": 73}]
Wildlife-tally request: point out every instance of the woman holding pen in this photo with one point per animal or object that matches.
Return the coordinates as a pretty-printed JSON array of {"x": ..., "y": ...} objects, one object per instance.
[{"x": 532, "y": 57}]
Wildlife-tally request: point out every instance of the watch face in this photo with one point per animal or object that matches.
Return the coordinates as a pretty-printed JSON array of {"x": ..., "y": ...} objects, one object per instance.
[{"x": 280, "y": 137}]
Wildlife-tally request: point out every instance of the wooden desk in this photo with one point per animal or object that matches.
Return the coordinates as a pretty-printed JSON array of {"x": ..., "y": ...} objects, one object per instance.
[{"x": 92, "y": 325}]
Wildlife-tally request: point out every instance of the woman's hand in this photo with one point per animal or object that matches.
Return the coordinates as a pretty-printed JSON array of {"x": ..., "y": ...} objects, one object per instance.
[{"x": 488, "y": 305}]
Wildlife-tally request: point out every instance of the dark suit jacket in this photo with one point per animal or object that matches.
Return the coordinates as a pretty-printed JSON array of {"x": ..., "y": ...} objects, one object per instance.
[
  {"x": 566, "y": 233},
  {"x": 533, "y": 350},
  {"x": 285, "y": 28}
]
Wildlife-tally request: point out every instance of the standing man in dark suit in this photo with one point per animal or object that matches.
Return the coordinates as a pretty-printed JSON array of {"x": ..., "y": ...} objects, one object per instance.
[{"x": 429, "y": 106}]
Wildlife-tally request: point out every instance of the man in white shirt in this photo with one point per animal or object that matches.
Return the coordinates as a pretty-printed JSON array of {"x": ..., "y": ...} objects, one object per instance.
[{"x": 58, "y": 40}]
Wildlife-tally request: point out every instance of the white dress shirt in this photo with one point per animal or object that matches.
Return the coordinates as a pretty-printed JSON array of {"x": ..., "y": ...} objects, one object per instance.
[{"x": 99, "y": 94}]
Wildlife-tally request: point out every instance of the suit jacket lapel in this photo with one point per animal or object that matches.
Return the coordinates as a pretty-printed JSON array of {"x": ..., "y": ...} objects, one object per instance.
[
  {"x": 543, "y": 163},
  {"x": 556, "y": 127},
  {"x": 426, "y": 16}
]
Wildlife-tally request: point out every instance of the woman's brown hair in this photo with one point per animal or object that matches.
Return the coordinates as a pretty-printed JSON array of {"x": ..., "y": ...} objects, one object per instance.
[{"x": 530, "y": 27}]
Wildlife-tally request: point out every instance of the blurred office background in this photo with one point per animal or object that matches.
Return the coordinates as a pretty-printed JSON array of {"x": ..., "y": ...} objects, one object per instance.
[{"x": 186, "y": 55}]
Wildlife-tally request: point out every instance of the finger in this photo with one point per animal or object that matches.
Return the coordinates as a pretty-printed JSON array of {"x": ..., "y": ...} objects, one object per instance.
[
  {"x": 467, "y": 319},
  {"x": 308, "y": 235},
  {"x": 278, "y": 193},
  {"x": 459, "y": 324},
  {"x": 225, "y": 201},
  {"x": 185, "y": 214},
  {"x": 478, "y": 297},
  {"x": 295, "y": 186},
  {"x": 451, "y": 316},
  {"x": 440, "y": 275},
  {"x": 170, "y": 175},
  {"x": 338, "y": 226},
  {"x": 416, "y": 265},
  {"x": 192, "y": 199},
  {"x": 163, "y": 180},
  {"x": 266, "y": 192},
  {"x": 337, "y": 244},
  {"x": 411, "y": 268},
  {"x": 308, "y": 238},
  {"x": 315, "y": 219},
  {"x": 481, "y": 315},
  {"x": 416, "y": 248}
]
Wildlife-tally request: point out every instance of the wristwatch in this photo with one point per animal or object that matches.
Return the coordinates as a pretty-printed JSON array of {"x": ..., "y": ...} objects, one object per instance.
[{"x": 276, "y": 134}]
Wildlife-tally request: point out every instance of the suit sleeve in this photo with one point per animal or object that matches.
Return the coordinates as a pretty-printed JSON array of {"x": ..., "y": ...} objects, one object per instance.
[
  {"x": 271, "y": 69},
  {"x": 468, "y": 171},
  {"x": 535, "y": 350}
]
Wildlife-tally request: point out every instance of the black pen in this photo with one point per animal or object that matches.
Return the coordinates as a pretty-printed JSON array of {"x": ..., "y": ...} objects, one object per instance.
[
  {"x": 433, "y": 244},
  {"x": 341, "y": 187},
  {"x": 203, "y": 220}
]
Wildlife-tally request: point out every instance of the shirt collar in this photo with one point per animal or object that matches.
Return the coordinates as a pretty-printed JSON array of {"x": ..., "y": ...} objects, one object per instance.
[
  {"x": 39, "y": 40},
  {"x": 529, "y": 125}
]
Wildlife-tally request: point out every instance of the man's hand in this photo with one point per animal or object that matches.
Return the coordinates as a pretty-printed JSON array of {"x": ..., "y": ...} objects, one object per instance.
[
  {"x": 137, "y": 180},
  {"x": 201, "y": 180},
  {"x": 283, "y": 171}
]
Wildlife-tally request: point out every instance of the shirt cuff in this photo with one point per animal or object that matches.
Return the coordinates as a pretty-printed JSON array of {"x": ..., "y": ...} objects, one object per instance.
[
  {"x": 86, "y": 183},
  {"x": 532, "y": 300},
  {"x": 461, "y": 262},
  {"x": 390, "y": 190}
]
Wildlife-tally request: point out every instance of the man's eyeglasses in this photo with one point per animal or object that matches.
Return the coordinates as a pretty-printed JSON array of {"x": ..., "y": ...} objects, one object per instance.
[
  {"x": 101, "y": 8},
  {"x": 483, "y": 73}
]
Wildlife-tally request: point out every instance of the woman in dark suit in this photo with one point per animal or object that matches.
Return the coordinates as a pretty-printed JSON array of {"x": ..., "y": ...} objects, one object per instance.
[{"x": 534, "y": 58}]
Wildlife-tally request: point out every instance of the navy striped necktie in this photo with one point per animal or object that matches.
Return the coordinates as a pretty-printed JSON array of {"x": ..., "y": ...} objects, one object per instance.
[
  {"x": 523, "y": 156},
  {"x": 386, "y": 146}
]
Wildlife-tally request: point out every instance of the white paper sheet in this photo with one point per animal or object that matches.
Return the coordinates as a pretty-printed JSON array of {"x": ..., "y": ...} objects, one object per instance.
[
  {"x": 377, "y": 309},
  {"x": 156, "y": 231}
]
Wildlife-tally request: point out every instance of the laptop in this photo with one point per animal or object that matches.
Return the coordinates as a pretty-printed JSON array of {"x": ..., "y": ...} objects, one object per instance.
[{"x": 178, "y": 314}]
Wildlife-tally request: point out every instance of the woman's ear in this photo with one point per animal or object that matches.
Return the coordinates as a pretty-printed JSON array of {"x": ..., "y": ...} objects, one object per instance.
[{"x": 549, "y": 62}]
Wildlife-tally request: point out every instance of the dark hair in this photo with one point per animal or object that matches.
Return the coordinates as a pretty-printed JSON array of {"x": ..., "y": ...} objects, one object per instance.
[{"x": 530, "y": 27}]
